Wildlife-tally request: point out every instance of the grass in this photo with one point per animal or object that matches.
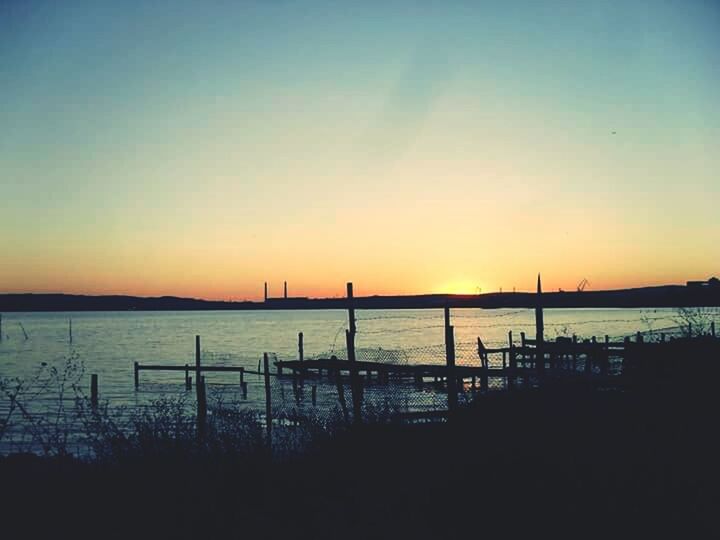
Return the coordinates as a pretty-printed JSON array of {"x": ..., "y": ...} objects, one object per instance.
[{"x": 569, "y": 461}]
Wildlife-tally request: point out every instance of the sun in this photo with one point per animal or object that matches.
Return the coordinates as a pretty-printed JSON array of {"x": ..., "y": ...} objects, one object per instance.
[{"x": 461, "y": 286}]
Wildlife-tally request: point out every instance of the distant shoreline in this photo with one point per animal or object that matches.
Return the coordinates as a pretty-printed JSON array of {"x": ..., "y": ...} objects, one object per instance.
[{"x": 645, "y": 297}]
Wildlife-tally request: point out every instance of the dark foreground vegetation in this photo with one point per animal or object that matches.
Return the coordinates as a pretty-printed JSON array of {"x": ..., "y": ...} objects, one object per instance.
[{"x": 564, "y": 461}]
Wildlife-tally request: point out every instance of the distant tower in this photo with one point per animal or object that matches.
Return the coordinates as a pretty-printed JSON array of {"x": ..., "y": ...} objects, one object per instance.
[
  {"x": 285, "y": 289},
  {"x": 266, "y": 291}
]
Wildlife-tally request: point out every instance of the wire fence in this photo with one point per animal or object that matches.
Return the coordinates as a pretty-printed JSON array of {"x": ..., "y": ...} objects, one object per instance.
[{"x": 51, "y": 412}]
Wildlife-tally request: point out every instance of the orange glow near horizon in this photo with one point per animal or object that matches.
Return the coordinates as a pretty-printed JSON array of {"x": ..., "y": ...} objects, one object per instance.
[{"x": 140, "y": 162}]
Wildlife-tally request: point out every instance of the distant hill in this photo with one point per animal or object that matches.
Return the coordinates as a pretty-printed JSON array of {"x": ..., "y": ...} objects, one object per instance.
[{"x": 663, "y": 296}]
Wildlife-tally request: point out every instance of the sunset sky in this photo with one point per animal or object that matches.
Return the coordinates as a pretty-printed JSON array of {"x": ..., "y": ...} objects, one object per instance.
[{"x": 201, "y": 148}]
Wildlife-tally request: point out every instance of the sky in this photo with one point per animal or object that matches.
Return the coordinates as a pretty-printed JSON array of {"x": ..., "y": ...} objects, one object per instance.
[{"x": 202, "y": 148}]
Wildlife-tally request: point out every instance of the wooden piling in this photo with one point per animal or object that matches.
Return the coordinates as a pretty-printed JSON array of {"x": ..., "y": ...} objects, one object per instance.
[
  {"x": 187, "y": 377},
  {"x": 201, "y": 405},
  {"x": 197, "y": 367},
  {"x": 70, "y": 330},
  {"x": 482, "y": 352},
  {"x": 94, "y": 390},
  {"x": 268, "y": 404},
  {"x": 242, "y": 376},
  {"x": 199, "y": 391},
  {"x": 243, "y": 389},
  {"x": 351, "y": 308},
  {"x": 137, "y": 376},
  {"x": 450, "y": 363},
  {"x": 355, "y": 382},
  {"x": 539, "y": 330},
  {"x": 341, "y": 395},
  {"x": 301, "y": 352},
  {"x": 512, "y": 361}
]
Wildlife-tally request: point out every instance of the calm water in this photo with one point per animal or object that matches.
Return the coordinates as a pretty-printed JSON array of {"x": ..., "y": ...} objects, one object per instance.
[{"x": 109, "y": 342}]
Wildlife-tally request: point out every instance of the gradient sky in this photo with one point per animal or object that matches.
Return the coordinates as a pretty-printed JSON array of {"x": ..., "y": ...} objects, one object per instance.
[{"x": 200, "y": 148}]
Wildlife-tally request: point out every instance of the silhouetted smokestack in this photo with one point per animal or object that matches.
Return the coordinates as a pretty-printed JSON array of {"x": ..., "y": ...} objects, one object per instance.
[
  {"x": 266, "y": 291},
  {"x": 285, "y": 291}
]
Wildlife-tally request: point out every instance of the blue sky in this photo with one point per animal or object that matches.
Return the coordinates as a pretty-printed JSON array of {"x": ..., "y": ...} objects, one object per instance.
[{"x": 450, "y": 143}]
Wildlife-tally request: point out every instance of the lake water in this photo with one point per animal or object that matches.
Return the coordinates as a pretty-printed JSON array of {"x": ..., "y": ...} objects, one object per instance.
[{"x": 108, "y": 343}]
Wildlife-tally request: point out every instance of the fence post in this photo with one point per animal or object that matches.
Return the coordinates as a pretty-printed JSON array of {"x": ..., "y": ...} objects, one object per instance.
[
  {"x": 539, "y": 330},
  {"x": 512, "y": 362},
  {"x": 201, "y": 405},
  {"x": 301, "y": 352},
  {"x": 484, "y": 365},
  {"x": 351, "y": 308},
  {"x": 355, "y": 384},
  {"x": 94, "y": 390},
  {"x": 268, "y": 404},
  {"x": 199, "y": 390},
  {"x": 137, "y": 375},
  {"x": 341, "y": 393},
  {"x": 450, "y": 361}
]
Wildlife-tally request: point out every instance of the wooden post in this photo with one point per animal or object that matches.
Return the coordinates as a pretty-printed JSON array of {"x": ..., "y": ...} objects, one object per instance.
[
  {"x": 484, "y": 365},
  {"x": 296, "y": 390},
  {"x": 243, "y": 388},
  {"x": 351, "y": 309},
  {"x": 539, "y": 330},
  {"x": 201, "y": 405},
  {"x": 242, "y": 376},
  {"x": 137, "y": 375},
  {"x": 199, "y": 391},
  {"x": 301, "y": 352},
  {"x": 268, "y": 404},
  {"x": 355, "y": 382},
  {"x": 341, "y": 394},
  {"x": 94, "y": 391},
  {"x": 70, "y": 329},
  {"x": 512, "y": 361},
  {"x": 258, "y": 369},
  {"x": 450, "y": 364},
  {"x": 188, "y": 386}
]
